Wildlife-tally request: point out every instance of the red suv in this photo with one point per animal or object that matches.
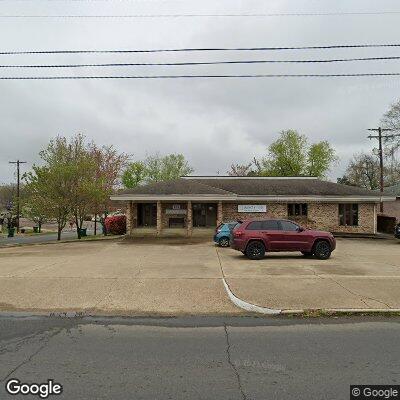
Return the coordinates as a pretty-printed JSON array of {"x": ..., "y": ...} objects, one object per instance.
[{"x": 254, "y": 238}]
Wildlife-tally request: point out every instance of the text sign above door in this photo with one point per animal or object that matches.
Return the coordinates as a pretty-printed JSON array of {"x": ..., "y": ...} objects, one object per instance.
[
  {"x": 252, "y": 208},
  {"x": 170, "y": 211}
]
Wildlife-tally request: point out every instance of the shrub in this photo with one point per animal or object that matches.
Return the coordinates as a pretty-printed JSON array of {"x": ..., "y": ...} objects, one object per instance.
[{"x": 116, "y": 225}]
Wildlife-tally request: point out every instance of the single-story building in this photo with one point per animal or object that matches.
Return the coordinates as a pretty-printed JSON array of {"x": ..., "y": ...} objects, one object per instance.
[
  {"x": 392, "y": 208},
  {"x": 196, "y": 202}
]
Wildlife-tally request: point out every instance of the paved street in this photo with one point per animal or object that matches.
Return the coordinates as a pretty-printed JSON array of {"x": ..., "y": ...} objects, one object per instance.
[
  {"x": 200, "y": 358},
  {"x": 35, "y": 239},
  {"x": 172, "y": 277}
]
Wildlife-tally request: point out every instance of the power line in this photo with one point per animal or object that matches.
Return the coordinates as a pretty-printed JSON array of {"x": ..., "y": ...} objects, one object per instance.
[
  {"x": 241, "y": 15},
  {"x": 198, "y": 76},
  {"x": 200, "y": 49},
  {"x": 199, "y": 63}
]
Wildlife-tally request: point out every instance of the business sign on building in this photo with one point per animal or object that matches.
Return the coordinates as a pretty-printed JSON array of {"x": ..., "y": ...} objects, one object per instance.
[
  {"x": 171, "y": 211},
  {"x": 252, "y": 208}
]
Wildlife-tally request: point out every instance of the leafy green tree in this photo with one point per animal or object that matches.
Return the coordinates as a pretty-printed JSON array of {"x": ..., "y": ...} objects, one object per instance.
[
  {"x": 291, "y": 155},
  {"x": 169, "y": 167},
  {"x": 134, "y": 174},
  {"x": 35, "y": 208},
  {"x": 320, "y": 157},
  {"x": 52, "y": 185},
  {"x": 77, "y": 178},
  {"x": 156, "y": 168}
]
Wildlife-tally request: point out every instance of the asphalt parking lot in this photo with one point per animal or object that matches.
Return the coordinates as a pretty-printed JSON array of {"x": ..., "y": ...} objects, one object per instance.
[{"x": 141, "y": 277}]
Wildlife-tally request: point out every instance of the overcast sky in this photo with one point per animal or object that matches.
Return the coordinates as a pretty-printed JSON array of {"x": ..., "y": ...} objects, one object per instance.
[{"x": 214, "y": 122}]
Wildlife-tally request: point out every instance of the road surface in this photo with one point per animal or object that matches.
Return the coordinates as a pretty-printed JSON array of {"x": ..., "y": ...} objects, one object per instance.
[
  {"x": 199, "y": 358},
  {"x": 34, "y": 239}
]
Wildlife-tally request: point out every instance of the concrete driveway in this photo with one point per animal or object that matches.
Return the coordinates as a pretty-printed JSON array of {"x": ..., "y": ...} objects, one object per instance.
[
  {"x": 169, "y": 278},
  {"x": 114, "y": 277},
  {"x": 362, "y": 273}
]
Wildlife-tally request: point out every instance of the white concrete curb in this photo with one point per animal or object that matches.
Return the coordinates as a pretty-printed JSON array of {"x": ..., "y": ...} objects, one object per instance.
[{"x": 248, "y": 306}]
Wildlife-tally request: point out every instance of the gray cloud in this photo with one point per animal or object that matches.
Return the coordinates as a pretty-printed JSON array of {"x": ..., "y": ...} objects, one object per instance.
[{"x": 213, "y": 122}]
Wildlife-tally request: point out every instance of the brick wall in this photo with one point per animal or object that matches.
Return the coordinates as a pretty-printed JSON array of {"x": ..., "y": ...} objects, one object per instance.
[
  {"x": 324, "y": 216},
  {"x": 392, "y": 208}
]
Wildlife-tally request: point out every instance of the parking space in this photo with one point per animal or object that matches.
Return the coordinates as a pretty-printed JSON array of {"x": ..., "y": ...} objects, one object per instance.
[
  {"x": 168, "y": 277},
  {"x": 361, "y": 273}
]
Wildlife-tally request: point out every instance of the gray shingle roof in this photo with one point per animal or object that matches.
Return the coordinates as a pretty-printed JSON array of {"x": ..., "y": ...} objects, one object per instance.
[
  {"x": 285, "y": 187},
  {"x": 230, "y": 186},
  {"x": 177, "y": 186}
]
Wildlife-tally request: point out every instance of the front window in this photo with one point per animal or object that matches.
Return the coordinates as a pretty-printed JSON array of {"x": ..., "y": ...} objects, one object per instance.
[
  {"x": 297, "y": 209},
  {"x": 348, "y": 214}
]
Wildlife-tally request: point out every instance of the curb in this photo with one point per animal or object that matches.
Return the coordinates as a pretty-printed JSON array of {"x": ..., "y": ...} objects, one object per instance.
[{"x": 249, "y": 306}]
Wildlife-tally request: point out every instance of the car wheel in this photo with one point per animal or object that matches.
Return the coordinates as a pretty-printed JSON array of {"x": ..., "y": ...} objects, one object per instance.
[
  {"x": 255, "y": 251},
  {"x": 322, "y": 250},
  {"x": 224, "y": 242},
  {"x": 307, "y": 253}
]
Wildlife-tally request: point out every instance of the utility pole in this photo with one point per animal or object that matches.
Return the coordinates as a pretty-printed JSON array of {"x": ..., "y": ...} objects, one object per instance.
[
  {"x": 18, "y": 163},
  {"x": 380, "y": 138}
]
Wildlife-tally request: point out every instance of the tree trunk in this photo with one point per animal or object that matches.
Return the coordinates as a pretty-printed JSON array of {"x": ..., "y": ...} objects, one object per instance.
[
  {"x": 39, "y": 226},
  {"x": 78, "y": 228},
  {"x": 95, "y": 224},
  {"x": 58, "y": 232}
]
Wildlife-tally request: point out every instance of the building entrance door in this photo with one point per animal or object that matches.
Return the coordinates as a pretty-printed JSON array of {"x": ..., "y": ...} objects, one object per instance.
[
  {"x": 204, "y": 215},
  {"x": 147, "y": 214}
]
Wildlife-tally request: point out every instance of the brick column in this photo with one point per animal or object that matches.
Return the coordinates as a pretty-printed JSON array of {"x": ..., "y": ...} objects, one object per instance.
[
  {"x": 189, "y": 218},
  {"x": 219, "y": 213},
  {"x": 129, "y": 218},
  {"x": 159, "y": 218}
]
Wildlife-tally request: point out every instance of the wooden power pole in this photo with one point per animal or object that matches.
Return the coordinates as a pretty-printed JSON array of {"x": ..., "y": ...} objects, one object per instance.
[
  {"x": 18, "y": 163},
  {"x": 380, "y": 138}
]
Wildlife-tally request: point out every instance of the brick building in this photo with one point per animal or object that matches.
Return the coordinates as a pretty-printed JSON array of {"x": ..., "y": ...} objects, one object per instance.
[
  {"x": 392, "y": 208},
  {"x": 190, "y": 204}
]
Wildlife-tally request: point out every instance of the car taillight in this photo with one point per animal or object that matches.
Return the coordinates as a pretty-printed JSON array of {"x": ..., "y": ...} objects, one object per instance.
[{"x": 237, "y": 233}]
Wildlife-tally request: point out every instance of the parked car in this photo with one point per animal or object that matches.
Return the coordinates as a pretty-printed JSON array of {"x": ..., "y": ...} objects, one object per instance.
[
  {"x": 223, "y": 233},
  {"x": 397, "y": 231},
  {"x": 254, "y": 238}
]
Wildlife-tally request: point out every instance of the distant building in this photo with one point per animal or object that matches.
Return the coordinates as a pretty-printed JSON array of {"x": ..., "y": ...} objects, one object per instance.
[
  {"x": 392, "y": 208},
  {"x": 194, "y": 203}
]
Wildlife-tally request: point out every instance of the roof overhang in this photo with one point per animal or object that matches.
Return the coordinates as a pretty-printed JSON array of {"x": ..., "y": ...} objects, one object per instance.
[{"x": 286, "y": 199}]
